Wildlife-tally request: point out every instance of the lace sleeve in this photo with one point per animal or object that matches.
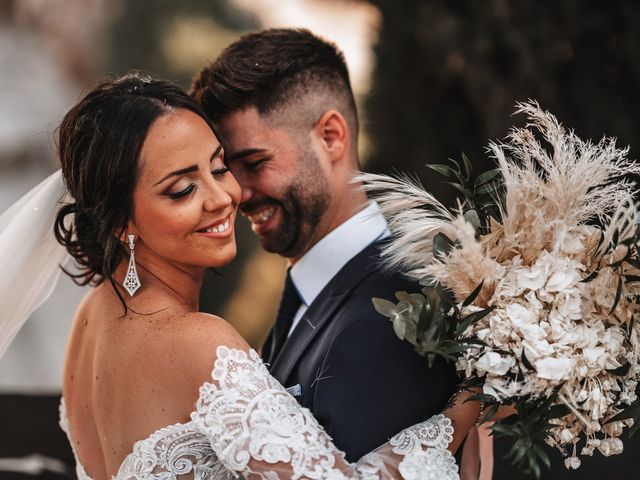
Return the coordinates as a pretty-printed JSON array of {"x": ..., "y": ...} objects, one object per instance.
[{"x": 259, "y": 431}]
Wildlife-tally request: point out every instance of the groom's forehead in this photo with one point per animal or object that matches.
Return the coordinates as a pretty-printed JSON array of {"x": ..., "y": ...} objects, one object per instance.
[{"x": 246, "y": 133}]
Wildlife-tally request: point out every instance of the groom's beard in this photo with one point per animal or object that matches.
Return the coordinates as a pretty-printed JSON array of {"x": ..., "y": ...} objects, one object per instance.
[{"x": 301, "y": 208}]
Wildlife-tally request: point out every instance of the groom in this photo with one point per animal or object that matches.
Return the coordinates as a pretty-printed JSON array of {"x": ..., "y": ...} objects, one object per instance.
[{"x": 282, "y": 103}]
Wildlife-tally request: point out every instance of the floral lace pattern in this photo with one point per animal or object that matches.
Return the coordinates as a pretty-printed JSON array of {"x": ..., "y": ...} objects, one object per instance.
[
  {"x": 176, "y": 451},
  {"x": 245, "y": 423},
  {"x": 257, "y": 428}
]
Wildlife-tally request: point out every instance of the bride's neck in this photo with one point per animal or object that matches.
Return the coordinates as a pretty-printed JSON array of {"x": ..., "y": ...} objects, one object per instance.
[{"x": 182, "y": 282}]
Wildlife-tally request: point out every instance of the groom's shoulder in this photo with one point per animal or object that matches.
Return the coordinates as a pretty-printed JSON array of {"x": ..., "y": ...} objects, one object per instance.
[{"x": 379, "y": 279}]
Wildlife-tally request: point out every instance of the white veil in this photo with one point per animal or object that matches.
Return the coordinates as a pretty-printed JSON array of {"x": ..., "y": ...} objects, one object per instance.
[{"x": 30, "y": 256}]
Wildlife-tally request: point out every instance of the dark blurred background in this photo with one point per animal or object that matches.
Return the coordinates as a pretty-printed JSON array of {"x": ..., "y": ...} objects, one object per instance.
[{"x": 432, "y": 79}]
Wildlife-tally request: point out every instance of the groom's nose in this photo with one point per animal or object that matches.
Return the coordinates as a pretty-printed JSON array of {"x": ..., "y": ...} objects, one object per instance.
[{"x": 247, "y": 193}]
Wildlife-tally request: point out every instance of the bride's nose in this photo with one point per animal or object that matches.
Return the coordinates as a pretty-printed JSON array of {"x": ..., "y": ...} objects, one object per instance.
[{"x": 216, "y": 198}]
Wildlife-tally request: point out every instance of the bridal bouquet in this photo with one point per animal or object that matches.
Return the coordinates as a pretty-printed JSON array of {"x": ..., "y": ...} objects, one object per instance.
[{"x": 531, "y": 285}]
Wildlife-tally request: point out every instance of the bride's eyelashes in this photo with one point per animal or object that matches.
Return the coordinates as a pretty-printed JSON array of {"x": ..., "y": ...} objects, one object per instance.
[
  {"x": 216, "y": 172},
  {"x": 182, "y": 193}
]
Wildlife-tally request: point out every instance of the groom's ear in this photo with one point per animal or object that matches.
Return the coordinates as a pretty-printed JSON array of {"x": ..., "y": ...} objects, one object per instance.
[{"x": 333, "y": 134}]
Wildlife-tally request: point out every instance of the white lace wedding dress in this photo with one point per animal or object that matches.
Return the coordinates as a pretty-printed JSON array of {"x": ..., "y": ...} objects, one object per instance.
[{"x": 246, "y": 424}]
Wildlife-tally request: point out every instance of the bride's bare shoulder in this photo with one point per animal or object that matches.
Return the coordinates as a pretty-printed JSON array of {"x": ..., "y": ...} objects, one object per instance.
[
  {"x": 192, "y": 340},
  {"x": 200, "y": 333}
]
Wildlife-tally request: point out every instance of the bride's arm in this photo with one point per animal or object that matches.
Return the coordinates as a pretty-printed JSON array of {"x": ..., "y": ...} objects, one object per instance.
[{"x": 259, "y": 431}]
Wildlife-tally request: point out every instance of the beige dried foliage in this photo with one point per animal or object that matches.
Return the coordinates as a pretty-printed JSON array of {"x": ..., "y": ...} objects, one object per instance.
[
  {"x": 572, "y": 183},
  {"x": 550, "y": 190}
]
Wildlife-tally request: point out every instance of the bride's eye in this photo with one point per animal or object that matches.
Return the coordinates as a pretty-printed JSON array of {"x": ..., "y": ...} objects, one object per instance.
[
  {"x": 181, "y": 193},
  {"x": 219, "y": 171}
]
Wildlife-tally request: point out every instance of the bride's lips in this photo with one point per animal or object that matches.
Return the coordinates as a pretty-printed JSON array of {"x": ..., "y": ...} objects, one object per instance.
[
  {"x": 262, "y": 219},
  {"x": 222, "y": 228}
]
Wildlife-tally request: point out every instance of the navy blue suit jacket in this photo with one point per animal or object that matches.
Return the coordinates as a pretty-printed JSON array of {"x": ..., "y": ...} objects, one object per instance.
[{"x": 360, "y": 381}]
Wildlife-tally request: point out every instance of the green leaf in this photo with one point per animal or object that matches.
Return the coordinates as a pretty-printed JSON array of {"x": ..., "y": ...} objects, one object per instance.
[
  {"x": 600, "y": 240},
  {"x": 384, "y": 307},
  {"x": 632, "y": 278},
  {"x": 618, "y": 295},
  {"x": 489, "y": 189},
  {"x": 473, "y": 295},
  {"x": 467, "y": 165},
  {"x": 487, "y": 177},
  {"x": 400, "y": 327},
  {"x": 620, "y": 371},
  {"x": 614, "y": 239},
  {"x": 491, "y": 412},
  {"x": 632, "y": 411},
  {"x": 442, "y": 245},
  {"x": 558, "y": 411},
  {"x": 473, "y": 318},
  {"x": 461, "y": 188},
  {"x": 634, "y": 262},
  {"x": 471, "y": 216},
  {"x": 526, "y": 362},
  {"x": 445, "y": 170},
  {"x": 414, "y": 299},
  {"x": 590, "y": 277},
  {"x": 428, "y": 281}
]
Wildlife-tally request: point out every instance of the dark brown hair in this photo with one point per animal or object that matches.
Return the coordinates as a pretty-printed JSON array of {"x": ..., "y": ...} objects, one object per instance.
[
  {"x": 99, "y": 145},
  {"x": 265, "y": 69}
]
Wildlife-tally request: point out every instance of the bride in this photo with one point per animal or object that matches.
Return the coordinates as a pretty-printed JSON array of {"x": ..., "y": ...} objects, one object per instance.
[{"x": 154, "y": 389}]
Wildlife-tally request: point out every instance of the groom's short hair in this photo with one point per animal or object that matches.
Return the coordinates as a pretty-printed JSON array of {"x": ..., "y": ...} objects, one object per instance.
[{"x": 278, "y": 71}]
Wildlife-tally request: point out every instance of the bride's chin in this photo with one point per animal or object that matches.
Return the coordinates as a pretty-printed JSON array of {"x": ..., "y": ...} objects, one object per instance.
[{"x": 222, "y": 258}]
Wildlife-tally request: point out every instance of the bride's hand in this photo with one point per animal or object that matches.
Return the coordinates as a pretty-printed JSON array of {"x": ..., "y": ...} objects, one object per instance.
[{"x": 463, "y": 413}]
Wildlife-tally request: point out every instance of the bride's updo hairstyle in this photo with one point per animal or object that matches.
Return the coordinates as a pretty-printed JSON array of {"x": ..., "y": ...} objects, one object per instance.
[{"x": 99, "y": 146}]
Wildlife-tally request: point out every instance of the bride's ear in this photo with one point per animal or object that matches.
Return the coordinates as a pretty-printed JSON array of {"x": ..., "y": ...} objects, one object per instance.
[{"x": 123, "y": 233}]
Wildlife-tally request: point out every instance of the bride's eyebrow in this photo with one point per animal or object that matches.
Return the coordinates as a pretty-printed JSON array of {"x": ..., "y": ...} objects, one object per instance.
[{"x": 192, "y": 168}]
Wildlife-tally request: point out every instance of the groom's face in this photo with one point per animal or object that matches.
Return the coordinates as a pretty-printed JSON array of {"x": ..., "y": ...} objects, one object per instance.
[{"x": 284, "y": 188}]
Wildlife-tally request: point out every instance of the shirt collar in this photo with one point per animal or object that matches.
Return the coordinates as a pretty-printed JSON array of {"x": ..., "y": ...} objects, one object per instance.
[{"x": 320, "y": 264}]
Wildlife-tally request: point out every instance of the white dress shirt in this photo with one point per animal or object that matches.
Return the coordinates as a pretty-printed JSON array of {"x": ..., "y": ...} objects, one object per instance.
[{"x": 320, "y": 264}]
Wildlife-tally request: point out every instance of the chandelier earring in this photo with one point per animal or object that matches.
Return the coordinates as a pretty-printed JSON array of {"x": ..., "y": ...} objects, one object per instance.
[{"x": 131, "y": 281}]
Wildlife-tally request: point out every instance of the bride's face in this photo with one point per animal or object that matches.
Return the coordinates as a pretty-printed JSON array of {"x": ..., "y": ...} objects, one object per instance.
[{"x": 185, "y": 200}]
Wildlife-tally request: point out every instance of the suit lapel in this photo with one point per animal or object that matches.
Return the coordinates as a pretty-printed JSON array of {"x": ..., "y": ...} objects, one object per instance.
[{"x": 322, "y": 310}]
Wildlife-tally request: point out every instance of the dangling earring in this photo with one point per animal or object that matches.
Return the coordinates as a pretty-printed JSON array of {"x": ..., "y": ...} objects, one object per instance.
[{"x": 131, "y": 281}]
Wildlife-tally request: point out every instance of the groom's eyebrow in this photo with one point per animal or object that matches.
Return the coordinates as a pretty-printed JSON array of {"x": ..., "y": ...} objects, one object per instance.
[
  {"x": 192, "y": 168},
  {"x": 247, "y": 152}
]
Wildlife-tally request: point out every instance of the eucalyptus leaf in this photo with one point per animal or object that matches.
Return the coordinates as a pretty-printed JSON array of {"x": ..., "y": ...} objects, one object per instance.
[
  {"x": 428, "y": 281},
  {"x": 384, "y": 307},
  {"x": 400, "y": 326},
  {"x": 471, "y": 216},
  {"x": 442, "y": 245}
]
